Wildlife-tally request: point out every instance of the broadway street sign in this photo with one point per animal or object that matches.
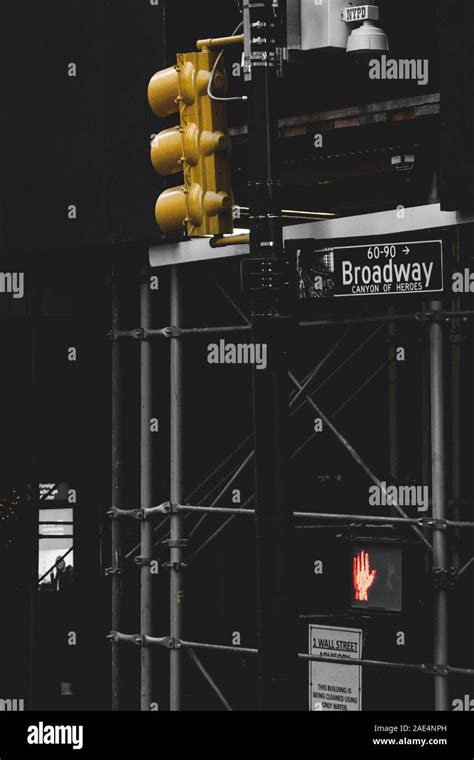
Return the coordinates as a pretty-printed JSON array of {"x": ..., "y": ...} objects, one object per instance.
[{"x": 370, "y": 270}]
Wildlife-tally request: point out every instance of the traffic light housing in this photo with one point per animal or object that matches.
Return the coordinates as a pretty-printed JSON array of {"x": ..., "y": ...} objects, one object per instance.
[{"x": 199, "y": 147}]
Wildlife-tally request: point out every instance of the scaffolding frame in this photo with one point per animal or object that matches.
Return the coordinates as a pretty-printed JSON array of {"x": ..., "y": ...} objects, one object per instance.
[{"x": 174, "y": 512}]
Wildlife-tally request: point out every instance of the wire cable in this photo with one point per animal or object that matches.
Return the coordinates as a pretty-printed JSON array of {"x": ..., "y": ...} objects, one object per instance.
[{"x": 213, "y": 74}]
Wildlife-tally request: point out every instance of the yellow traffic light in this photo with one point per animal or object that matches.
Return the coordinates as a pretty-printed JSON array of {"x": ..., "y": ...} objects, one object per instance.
[{"x": 199, "y": 147}]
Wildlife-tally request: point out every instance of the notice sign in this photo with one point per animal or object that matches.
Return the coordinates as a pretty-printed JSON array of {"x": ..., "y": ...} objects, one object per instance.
[
  {"x": 333, "y": 686},
  {"x": 382, "y": 269}
]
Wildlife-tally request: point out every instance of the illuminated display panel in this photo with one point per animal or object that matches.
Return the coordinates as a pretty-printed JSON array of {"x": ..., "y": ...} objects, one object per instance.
[
  {"x": 55, "y": 541},
  {"x": 56, "y": 522},
  {"x": 376, "y": 570}
]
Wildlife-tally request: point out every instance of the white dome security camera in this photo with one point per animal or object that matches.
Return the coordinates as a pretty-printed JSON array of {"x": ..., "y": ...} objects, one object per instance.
[{"x": 366, "y": 38}]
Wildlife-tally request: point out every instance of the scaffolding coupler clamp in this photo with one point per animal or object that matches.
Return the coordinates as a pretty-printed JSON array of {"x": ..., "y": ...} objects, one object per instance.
[
  {"x": 431, "y": 316},
  {"x": 171, "y": 331},
  {"x": 176, "y": 543},
  {"x": 443, "y": 579},
  {"x": 124, "y": 638},
  {"x": 161, "y": 509},
  {"x": 136, "y": 514},
  {"x": 436, "y": 670},
  {"x": 112, "y": 571},
  {"x": 177, "y": 567},
  {"x": 431, "y": 522},
  {"x": 169, "y": 642},
  {"x": 169, "y": 508},
  {"x": 144, "y": 561}
]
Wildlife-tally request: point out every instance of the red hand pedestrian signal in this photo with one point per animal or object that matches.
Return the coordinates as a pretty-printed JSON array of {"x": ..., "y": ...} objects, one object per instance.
[{"x": 362, "y": 576}]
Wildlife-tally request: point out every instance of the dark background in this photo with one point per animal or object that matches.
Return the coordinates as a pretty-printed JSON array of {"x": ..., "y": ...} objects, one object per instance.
[{"x": 85, "y": 141}]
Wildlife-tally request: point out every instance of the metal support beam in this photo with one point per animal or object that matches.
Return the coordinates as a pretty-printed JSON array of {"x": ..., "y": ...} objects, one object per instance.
[
  {"x": 427, "y": 669},
  {"x": 425, "y": 404},
  {"x": 146, "y": 489},
  {"x": 176, "y": 493},
  {"x": 169, "y": 333},
  {"x": 193, "y": 656},
  {"x": 440, "y": 549},
  {"x": 456, "y": 341},
  {"x": 378, "y": 224},
  {"x": 422, "y": 522},
  {"x": 116, "y": 493},
  {"x": 393, "y": 398},
  {"x": 265, "y": 283}
]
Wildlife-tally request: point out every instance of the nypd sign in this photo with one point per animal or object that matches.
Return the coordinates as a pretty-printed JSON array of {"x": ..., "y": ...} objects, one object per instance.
[
  {"x": 371, "y": 270},
  {"x": 351, "y": 14}
]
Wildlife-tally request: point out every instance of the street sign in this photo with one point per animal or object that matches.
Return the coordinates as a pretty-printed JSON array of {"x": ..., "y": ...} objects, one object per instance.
[
  {"x": 334, "y": 687},
  {"x": 375, "y": 269}
]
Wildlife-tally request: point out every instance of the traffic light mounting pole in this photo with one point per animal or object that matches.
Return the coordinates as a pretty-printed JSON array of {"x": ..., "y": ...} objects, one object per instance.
[{"x": 266, "y": 284}]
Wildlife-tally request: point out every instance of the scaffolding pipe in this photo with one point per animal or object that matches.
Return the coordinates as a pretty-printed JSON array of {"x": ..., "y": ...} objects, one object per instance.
[
  {"x": 146, "y": 489},
  {"x": 442, "y": 672},
  {"x": 440, "y": 549},
  {"x": 117, "y": 454},
  {"x": 176, "y": 493},
  {"x": 456, "y": 351},
  {"x": 192, "y": 655},
  {"x": 172, "y": 332},
  {"x": 393, "y": 399},
  {"x": 456, "y": 340},
  {"x": 418, "y": 317},
  {"x": 425, "y": 405},
  {"x": 421, "y": 522}
]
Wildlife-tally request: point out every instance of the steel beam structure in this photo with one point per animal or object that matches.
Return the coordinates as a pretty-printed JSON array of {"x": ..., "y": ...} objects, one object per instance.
[
  {"x": 264, "y": 276},
  {"x": 393, "y": 397},
  {"x": 117, "y": 453},
  {"x": 176, "y": 541},
  {"x": 438, "y": 524},
  {"x": 440, "y": 548},
  {"x": 146, "y": 489},
  {"x": 432, "y": 670},
  {"x": 456, "y": 340},
  {"x": 381, "y": 223}
]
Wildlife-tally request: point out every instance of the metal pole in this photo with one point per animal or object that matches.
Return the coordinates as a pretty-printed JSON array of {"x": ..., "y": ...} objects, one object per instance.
[
  {"x": 116, "y": 494},
  {"x": 456, "y": 340},
  {"x": 271, "y": 319},
  {"x": 146, "y": 483},
  {"x": 440, "y": 549},
  {"x": 393, "y": 398},
  {"x": 425, "y": 403},
  {"x": 176, "y": 542}
]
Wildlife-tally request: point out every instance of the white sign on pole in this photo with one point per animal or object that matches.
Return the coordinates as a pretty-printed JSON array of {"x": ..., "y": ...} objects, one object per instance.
[{"x": 333, "y": 686}]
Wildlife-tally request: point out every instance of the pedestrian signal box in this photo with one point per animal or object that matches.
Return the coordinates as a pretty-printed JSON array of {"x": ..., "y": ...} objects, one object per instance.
[{"x": 376, "y": 576}]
